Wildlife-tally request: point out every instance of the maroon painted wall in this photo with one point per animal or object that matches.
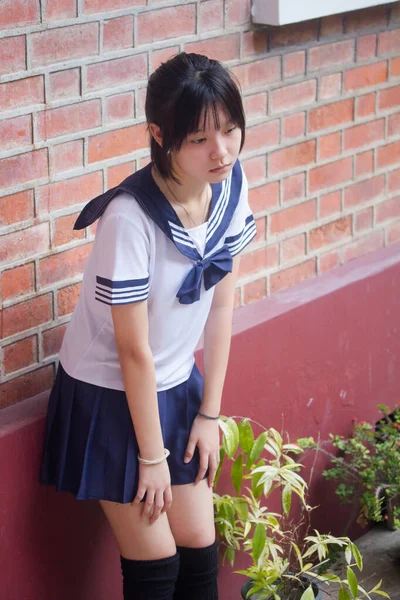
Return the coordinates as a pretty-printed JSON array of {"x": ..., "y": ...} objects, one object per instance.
[{"x": 305, "y": 360}]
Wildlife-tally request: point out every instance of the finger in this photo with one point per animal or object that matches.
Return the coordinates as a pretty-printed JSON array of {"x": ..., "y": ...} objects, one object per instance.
[
  {"x": 139, "y": 495},
  {"x": 158, "y": 506},
  {"x": 189, "y": 450},
  {"x": 148, "y": 505},
  {"x": 167, "y": 499},
  {"x": 203, "y": 467},
  {"x": 213, "y": 465}
]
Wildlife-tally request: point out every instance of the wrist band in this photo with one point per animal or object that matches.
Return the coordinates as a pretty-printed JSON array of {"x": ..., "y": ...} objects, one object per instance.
[
  {"x": 156, "y": 461},
  {"x": 208, "y": 416}
]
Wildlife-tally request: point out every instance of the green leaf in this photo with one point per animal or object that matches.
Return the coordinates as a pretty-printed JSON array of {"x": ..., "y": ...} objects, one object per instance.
[
  {"x": 352, "y": 581},
  {"x": 343, "y": 594},
  {"x": 286, "y": 499},
  {"x": 257, "y": 448},
  {"x": 357, "y": 556},
  {"x": 221, "y": 460},
  {"x": 230, "y": 437},
  {"x": 230, "y": 554},
  {"x": 308, "y": 594},
  {"x": 237, "y": 473},
  {"x": 246, "y": 436},
  {"x": 258, "y": 541},
  {"x": 242, "y": 509}
]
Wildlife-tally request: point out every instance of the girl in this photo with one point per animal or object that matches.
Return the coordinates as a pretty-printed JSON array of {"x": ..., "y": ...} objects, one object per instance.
[{"x": 130, "y": 421}]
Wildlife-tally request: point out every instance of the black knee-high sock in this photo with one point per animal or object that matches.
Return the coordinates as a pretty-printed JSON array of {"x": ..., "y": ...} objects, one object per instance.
[
  {"x": 198, "y": 572},
  {"x": 150, "y": 579}
]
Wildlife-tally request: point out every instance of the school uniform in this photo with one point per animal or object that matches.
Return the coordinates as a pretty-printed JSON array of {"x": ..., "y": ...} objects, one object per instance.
[{"x": 141, "y": 252}]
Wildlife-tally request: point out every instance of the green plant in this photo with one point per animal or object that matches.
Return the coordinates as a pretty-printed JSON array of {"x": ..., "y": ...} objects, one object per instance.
[
  {"x": 285, "y": 560},
  {"x": 367, "y": 467}
]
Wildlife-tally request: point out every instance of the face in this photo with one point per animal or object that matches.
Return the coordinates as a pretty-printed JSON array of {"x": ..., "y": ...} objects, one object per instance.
[{"x": 209, "y": 155}]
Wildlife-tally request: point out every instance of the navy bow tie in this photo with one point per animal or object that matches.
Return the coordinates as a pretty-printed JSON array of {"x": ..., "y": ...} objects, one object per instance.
[{"x": 213, "y": 269}]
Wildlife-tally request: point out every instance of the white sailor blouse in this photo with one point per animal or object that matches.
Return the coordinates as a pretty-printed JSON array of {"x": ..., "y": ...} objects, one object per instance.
[{"x": 143, "y": 252}]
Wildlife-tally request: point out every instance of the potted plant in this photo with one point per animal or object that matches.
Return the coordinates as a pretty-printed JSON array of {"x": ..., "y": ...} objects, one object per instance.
[
  {"x": 367, "y": 467},
  {"x": 286, "y": 562}
]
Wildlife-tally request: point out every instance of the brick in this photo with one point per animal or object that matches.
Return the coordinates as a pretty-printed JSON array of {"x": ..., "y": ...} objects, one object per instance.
[
  {"x": 331, "y": 26},
  {"x": 294, "y": 64},
  {"x": 363, "y": 219},
  {"x": 27, "y": 314},
  {"x": 64, "y": 232},
  {"x": 389, "y": 42},
  {"x": 25, "y": 386},
  {"x": 64, "y": 43},
  {"x": 294, "y": 33},
  {"x": 395, "y": 14},
  {"x": 69, "y": 192},
  {"x": 331, "y": 115},
  {"x": 328, "y": 55},
  {"x": 237, "y": 12},
  {"x": 389, "y": 98},
  {"x": 294, "y": 126},
  {"x": 394, "y": 180},
  {"x": 263, "y": 135},
  {"x": 367, "y": 76},
  {"x": 118, "y": 142},
  {"x": 264, "y": 197},
  {"x": 12, "y": 54},
  {"x": 395, "y": 67},
  {"x": 330, "y": 86},
  {"x": 166, "y": 23},
  {"x": 293, "y": 217},
  {"x": 386, "y": 210},
  {"x": 293, "y": 275},
  {"x": 60, "y": 9},
  {"x": 17, "y": 281},
  {"x": 254, "y": 42},
  {"x": 261, "y": 225},
  {"x": 93, "y": 6},
  {"x": 364, "y": 163},
  {"x": 64, "y": 157},
  {"x": 366, "y": 105},
  {"x": 258, "y": 73},
  {"x": 16, "y": 132},
  {"x": 293, "y": 96},
  {"x": 211, "y": 15},
  {"x": 68, "y": 119},
  {"x": 23, "y": 92},
  {"x": 393, "y": 233},
  {"x": 23, "y": 243},
  {"x": 366, "y": 47},
  {"x": 293, "y": 187},
  {"x": 388, "y": 155},
  {"x": 364, "y": 191},
  {"x": 111, "y": 73},
  {"x": 253, "y": 262},
  {"x": 63, "y": 265},
  {"x": 368, "y": 243},
  {"x": 394, "y": 125},
  {"x": 357, "y": 20},
  {"x": 237, "y": 301},
  {"x": 118, "y": 173},
  {"x": 255, "y": 105},
  {"x": 118, "y": 33},
  {"x": 224, "y": 48},
  {"x": 331, "y": 233},
  {"x": 329, "y": 146},
  {"x": 329, "y": 261},
  {"x": 160, "y": 56},
  {"x": 20, "y": 354},
  {"x": 120, "y": 107},
  {"x": 22, "y": 168},
  {"x": 293, "y": 248},
  {"x": 18, "y": 13},
  {"x": 52, "y": 340},
  {"x": 67, "y": 298},
  {"x": 255, "y": 168},
  {"x": 255, "y": 290},
  {"x": 330, "y": 204},
  {"x": 329, "y": 175},
  {"x": 292, "y": 157},
  {"x": 65, "y": 84},
  {"x": 365, "y": 134},
  {"x": 16, "y": 208}
]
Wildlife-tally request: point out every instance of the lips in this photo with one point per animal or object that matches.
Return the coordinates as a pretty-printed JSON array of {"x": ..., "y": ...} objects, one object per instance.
[{"x": 222, "y": 168}]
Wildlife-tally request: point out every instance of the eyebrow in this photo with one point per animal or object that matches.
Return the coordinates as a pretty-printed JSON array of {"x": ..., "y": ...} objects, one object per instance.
[{"x": 226, "y": 124}]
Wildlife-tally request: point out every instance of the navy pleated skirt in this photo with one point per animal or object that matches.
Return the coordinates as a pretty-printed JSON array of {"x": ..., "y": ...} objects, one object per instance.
[{"x": 90, "y": 445}]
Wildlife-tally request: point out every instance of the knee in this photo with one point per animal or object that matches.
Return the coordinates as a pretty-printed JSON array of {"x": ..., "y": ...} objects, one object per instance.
[{"x": 196, "y": 539}]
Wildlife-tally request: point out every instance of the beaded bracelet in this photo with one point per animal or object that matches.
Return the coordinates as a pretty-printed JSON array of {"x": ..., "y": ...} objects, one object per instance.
[
  {"x": 208, "y": 416},
  {"x": 156, "y": 461}
]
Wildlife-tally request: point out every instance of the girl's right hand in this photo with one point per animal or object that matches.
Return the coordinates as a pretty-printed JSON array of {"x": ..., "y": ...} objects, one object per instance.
[{"x": 155, "y": 482}]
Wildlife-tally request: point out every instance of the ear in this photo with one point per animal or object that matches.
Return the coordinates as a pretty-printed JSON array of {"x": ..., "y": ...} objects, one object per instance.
[{"x": 156, "y": 133}]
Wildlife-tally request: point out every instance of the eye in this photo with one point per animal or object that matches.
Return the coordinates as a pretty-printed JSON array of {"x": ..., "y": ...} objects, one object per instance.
[
  {"x": 198, "y": 141},
  {"x": 231, "y": 129}
]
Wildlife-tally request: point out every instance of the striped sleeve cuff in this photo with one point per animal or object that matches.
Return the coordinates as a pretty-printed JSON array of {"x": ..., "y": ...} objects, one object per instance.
[
  {"x": 121, "y": 292},
  {"x": 236, "y": 243}
]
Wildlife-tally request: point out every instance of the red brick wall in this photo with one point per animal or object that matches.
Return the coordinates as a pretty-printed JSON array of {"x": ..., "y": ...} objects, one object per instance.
[{"x": 322, "y": 152}]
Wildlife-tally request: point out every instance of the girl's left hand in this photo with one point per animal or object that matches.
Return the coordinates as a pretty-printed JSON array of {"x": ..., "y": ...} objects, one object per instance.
[{"x": 205, "y": 435}]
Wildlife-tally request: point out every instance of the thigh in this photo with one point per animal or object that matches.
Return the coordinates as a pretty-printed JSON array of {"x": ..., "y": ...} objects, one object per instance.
[
  {"x": 136, "y": 538},
  {"x": 191, "y": 515}
]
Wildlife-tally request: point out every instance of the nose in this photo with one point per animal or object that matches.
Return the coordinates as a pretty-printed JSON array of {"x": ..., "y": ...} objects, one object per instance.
[{"x": 218, "y": 150}]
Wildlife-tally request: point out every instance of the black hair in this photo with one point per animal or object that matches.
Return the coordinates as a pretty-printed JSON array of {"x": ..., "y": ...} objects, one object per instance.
[{"x": 181, "y": 92}]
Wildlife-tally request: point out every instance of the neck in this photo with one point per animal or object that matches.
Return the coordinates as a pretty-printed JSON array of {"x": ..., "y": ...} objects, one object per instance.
[{"x": 190, "y": 191}]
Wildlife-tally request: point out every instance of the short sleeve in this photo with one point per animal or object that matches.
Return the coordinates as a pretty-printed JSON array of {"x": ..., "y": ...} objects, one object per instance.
[
  {"x": 122, "y": 248},
  {"x": 242, "y": 227}
]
